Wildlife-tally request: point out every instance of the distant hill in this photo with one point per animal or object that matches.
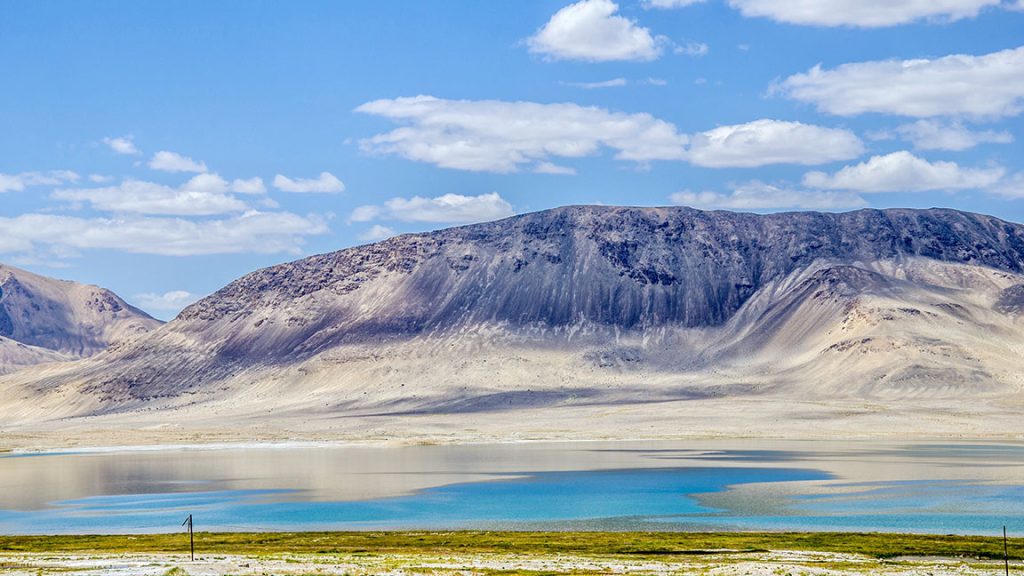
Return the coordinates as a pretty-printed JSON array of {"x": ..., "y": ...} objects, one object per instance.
[
  {"x": 591, "y": 321},
  {"x": 46, "y": 320}
]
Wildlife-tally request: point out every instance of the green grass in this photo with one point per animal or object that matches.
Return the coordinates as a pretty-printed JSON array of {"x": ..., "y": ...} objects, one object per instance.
[{"x": 633, "y": 544}]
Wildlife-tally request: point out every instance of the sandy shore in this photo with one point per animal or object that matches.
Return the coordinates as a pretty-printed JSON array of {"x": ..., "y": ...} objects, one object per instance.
[
  {"x": 718, "y": 419},
  {"x": 721, "y": 564}
]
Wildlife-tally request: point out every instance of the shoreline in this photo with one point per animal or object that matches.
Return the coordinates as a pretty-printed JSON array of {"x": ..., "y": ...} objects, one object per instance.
[{"x": 68, "y": 444}]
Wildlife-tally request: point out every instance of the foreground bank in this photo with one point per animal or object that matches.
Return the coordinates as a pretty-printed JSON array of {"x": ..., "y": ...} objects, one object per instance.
[{"x": 510, "y": 553}]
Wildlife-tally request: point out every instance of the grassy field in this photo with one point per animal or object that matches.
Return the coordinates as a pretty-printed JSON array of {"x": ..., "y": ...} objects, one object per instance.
[{"x": 626, "y": 544}]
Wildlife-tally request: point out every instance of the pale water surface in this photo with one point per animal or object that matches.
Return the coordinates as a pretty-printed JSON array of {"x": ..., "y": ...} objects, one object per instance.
[{"x": 924, "y": 487}]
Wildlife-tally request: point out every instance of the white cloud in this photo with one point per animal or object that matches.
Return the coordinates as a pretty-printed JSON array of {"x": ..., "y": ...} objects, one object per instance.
[
  {"x": 499, "y": 136},
  {"x": 172, "y": 162},
  {"x": 692, "y": 49},
  {"x": 365, "y": 213},
  {"x": 591, "y": 31},
  {"x": 203, "y": 195},
  {"x": 937, "y": 135},
  {"x": 613, "y": 83},
  {"x": 212, "y": 183},
  {"x": 377, "y": 232},
  {"x": 208, "y": 183},
  {"x": 326, "y": 183},
  {"x": 172, "y": 301},
  {"x": 758, "y": 195},
  {"x": 904, "y": 172},
  {"x": 861, "y": 13},
  {"x": 252, "y": 232},
  {"x": 854, "y": 13},
  {"x": 248, "y": 186},
  {"x": 549, "y": 168},
  {"x": 449, "y": 208},
  {"x": 1011, "y": 187},
  {"x": 987, "y": 86},
  {"x": 670, "y": 3},
  {"x": 764, "y": 142},
  {"x": 122, "y": 145},
  {"x": 22, "y": 180}
]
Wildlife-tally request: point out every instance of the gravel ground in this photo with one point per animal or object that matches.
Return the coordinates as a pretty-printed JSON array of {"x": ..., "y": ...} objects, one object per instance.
[{"x": 725, "y": 564}]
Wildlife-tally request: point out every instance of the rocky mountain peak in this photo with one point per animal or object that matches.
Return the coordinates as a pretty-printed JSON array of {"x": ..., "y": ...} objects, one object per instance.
[{"x": 62, "y": 319}]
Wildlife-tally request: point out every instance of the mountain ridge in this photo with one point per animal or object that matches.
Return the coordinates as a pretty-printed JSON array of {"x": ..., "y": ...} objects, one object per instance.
[{"x": 602, "y": 310}]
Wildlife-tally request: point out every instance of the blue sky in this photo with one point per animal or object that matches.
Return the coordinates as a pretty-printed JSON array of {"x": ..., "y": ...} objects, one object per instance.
[{"x": 164, "y": 149}]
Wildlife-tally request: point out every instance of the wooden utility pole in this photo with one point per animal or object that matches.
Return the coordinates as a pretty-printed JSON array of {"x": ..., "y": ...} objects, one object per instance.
[
  {"x": 191, "y": 540},
  {"x": 1006, "y": 554}
]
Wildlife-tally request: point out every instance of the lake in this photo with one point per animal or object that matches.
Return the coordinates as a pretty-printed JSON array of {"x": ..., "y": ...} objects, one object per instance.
[{"x": 969, "y": 488}]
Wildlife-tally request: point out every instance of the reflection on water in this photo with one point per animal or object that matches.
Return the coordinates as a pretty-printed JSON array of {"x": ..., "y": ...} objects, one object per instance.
[{"x": 973, "y": 488}]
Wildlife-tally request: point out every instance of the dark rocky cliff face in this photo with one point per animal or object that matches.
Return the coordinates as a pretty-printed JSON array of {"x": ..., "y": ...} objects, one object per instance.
[{"x": 624, "y": 267}]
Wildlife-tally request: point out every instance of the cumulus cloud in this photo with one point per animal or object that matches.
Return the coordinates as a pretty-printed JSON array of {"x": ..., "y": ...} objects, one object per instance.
[
  {"x": 23, "y": 180},
  {"x": 764, "y": 142},
  {"x": 758, "y": 195},
  {"x": 122, "y": 145},
  {"x": 449, "y": 208},
  {"x": 376, "y": 232},
  {"x": 986, "y": 86},
  {"x": 259, "y": 232},
  {"x": 500, "y": 136},
  {"x": 248, "y": 186},
  {"x": 212, "y": 183},
  {"x": 172, "y": 301},
  {"x": 478, "y": 135},
  {"x": 938, "y": 135},
  {"x": 173, "y": 162},
  {"x": 904, "y": 172},
  {"x": 591, "y": 31},
  {"x": 203, "y": 195},
  {"x": 326, "y": 183},
  {"x": 861, "y": 13}
]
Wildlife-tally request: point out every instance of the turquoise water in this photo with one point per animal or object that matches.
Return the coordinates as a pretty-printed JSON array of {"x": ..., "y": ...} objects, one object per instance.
[{"x": 774, "y": 497}]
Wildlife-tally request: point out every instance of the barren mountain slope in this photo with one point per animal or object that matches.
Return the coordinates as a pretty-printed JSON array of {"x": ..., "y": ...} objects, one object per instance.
[
  {"x": 589, "y": 322},
  {"x": 14, "y": 355},
  {"x": 44, "y": 320}
]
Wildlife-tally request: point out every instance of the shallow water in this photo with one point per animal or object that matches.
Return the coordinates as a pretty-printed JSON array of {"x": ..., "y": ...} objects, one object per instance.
[{"x": 942, "y": 488}]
